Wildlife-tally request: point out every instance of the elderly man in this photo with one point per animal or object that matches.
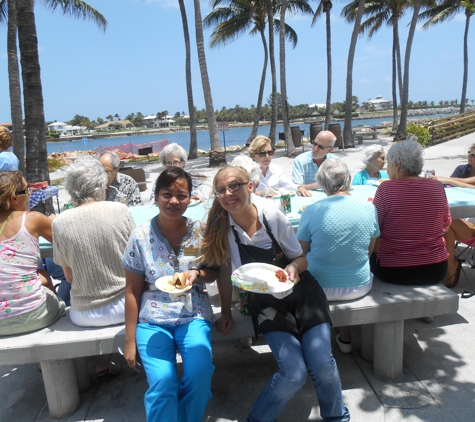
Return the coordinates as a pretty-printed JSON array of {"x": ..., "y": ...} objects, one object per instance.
[
  {"x": 306, "y": 165},
  {"x": 118, "y": 184}
]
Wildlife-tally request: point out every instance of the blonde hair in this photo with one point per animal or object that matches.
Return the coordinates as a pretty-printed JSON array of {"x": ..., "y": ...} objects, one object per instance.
[
  {"x": 10, "y": 182},
  {"x": 471, "y": 148},
  {"x": 257, "y": 144},
  {"x": 214, "y": 240},
  {"x": 6, "y": 138}
]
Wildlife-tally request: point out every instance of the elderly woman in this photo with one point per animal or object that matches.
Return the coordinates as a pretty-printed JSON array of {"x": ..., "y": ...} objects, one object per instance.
[
  {"x": 25, "y": 304},
  {"x": 174, "y": 155},
  {"x": 374, "y": 158},
  {"x": 88, "y": 242},
  {"x": 272, "y": 176},
  {"x": 413, "y": 214},
  {"x": 158, "y": 323},
  {"x": 8, "y": 160},
  {"x": 338, "y": 234}
]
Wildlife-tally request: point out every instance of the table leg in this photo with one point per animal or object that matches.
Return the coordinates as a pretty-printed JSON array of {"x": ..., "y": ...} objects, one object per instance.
[
  {"x": 57, "y": 202},
  {"x": 61, "y": 387},
  {"x": 388, "y": 349}
]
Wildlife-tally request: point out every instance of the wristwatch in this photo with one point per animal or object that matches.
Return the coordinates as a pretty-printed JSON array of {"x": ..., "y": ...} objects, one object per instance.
[{"x": 199, "y": 271}]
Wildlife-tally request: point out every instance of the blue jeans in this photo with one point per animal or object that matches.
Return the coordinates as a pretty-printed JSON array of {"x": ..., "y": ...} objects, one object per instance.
[
  {"x": 313, "y": 353},
  {"x": 170, "y": 399}
]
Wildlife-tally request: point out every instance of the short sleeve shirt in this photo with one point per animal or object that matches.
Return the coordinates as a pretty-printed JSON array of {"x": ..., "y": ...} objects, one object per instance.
[
  {"x": 148, "y": 253},
  {"x": 127, "y": 186},
  {"x": 304, "y": 169}
]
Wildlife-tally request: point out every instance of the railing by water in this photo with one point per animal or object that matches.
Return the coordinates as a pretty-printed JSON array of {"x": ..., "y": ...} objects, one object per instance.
[{"x": 452, "y": 127}]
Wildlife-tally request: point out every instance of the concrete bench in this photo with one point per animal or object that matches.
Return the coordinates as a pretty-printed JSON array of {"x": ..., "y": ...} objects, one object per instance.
[
  {"x": 360, "y": 135},
  {"x": 63, "y": 347}
]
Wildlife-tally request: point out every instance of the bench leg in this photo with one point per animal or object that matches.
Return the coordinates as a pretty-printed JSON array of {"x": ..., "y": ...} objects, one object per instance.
[
  {"x": 61, "y": 387},
  {"x": 367, "y": 335},
  {"x": 388, "y": 349}
]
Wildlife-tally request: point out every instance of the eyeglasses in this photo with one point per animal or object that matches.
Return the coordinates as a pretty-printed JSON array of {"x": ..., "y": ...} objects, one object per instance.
[
  {"x": 26, "y": 191},
  {"x": 264, "y": 153},
  {"x": 175, "y": 163},
  {"x": 231, "y": 188},
  {"x": 471, "y": 154},
  {"x": 316, "y": 144}
]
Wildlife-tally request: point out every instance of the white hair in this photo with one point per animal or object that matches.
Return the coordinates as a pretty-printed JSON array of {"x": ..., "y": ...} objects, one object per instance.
[
  {"x": 85, "y": 180},
  {"x": 409, "y": 154},
  {"x": 251, "y": 166},
  {"x": 333, "y": 176},
  {"x": 371, "y": 153}
]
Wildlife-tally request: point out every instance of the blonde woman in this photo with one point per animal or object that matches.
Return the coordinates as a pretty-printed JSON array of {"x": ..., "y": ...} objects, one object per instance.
[
  {"x": 240, "y": 231},
  {"x": 26, "y": 304},
  {"x": 272, "y": 176}
]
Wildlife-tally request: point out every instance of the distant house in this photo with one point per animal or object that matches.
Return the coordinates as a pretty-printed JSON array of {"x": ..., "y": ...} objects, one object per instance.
[
  {"x": 66, "y": 130},
  {"x": 107, "y": 125},
  {"x": 153, "y": 122},
  {"x": 379, "y": 103}
]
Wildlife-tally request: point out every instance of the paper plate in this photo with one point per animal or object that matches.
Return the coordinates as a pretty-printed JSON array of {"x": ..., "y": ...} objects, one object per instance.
[
  {"x": 163, "y": 285},
  {"x": 260, "y": 278}
]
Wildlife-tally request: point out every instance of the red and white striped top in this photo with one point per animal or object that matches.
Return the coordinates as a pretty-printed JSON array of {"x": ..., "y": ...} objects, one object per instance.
[{"x": 412, "y": 214}]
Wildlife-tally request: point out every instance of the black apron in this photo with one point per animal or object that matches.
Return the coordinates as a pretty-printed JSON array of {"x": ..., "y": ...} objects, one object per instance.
[{"x": 296, "y": 313}]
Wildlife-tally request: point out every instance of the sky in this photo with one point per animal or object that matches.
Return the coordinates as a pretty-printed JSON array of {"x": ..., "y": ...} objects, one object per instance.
[{"x": 138, "y": 63}]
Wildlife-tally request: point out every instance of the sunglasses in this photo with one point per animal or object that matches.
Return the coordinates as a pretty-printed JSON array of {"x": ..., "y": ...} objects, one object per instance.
[
  {"x": 26, "y": 191},
  {"x": 231, "y": 188},
  {"x": 471, "y": 154},
  {"x": 316, "y": 144},
  {"x": 264, "y": 153}
]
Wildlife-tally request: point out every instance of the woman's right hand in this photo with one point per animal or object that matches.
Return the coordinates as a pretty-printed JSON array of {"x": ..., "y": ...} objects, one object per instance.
[
  {"x": 224, "y": 323},
  {"x": 130, "y": 354}
]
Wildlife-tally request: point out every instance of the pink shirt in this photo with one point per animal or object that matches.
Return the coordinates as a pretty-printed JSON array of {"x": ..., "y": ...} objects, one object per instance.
[
  {"x": 20, "y": 286},
  {"x": 412, "y": 214}
]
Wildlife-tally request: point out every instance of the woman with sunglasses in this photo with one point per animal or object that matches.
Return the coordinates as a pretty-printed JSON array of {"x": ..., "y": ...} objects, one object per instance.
[
  {"x": 272, "y": 176},
  {"x": 26, "y": 304},
  {"x": 240, "y": 231}
]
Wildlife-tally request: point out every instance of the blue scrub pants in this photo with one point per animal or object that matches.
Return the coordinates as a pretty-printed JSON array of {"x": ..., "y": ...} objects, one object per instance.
[{"x": 169, "y": 399}]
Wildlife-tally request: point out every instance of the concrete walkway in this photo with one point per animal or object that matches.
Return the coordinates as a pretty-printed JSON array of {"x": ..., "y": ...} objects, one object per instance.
[{"x": 439, "y": 376}]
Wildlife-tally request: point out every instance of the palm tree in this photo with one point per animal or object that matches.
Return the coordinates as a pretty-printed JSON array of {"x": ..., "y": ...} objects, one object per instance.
[
  {"x": 416, "y": 5},
  {"x": 217, "y": 156},
  {"x": 14, "y": 83},
  {"x": 325, "y": 6},
  {"x": 347, "y": 139},
  {"x": 270, "y": 19},
  {"x": 446, "y": 10},
  {"x": 193, "y": 152},
  {"x": 36, "y": 155},
  {"x": 291, "y": 7},
  {"x": 235, "y": 17},
  {"x": 380, "y": 12}
]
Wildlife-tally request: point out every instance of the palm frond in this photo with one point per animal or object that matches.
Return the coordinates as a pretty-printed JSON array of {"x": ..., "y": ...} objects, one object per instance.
[{"x": 78, "y": 9}]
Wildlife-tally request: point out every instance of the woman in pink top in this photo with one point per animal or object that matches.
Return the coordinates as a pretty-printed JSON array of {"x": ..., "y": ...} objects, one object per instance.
[
  {"x": 25, "y": 304},
  {"x": 413, "y": 215}
]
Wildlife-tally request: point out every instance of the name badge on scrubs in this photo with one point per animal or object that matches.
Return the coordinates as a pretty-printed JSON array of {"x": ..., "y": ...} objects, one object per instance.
[{"x": 190, "y": 251}]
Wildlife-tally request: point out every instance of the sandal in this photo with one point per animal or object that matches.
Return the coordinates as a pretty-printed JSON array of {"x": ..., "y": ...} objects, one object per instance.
[{"x": 455, "y": 276}]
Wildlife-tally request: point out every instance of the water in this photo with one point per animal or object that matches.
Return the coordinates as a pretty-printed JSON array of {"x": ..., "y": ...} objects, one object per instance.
[{"x": 234, "y": 136}]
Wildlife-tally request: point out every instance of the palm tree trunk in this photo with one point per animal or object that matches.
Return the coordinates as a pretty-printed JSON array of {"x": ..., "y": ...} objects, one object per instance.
[
  {"x": 328, "y": 112},
  {"x": 398, "y": 60},
  {"x": 36, "y": 154},
  {"x": 407, "y": 56},
  {"x": 465, "y": 62},
  {"x": 14, "y": 85},
  {"x": 193, "y": 152},
  {"x": 291, "y": 151},
  {"x": 270, "y": 21},
  {"x": 257, "y": 117},
  {"x": 394, "y": 78},
  {"x": 217, "y": 156},
  {"x": 347, "y": 138}
]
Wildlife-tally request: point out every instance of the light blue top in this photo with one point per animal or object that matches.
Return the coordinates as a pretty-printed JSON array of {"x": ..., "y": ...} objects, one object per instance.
[
  {"x": 339, "y": 229},
  {"x": 8, "y": 161},
  {"x": 362, "y": 177},
  {"x": 304, "y": 170}
]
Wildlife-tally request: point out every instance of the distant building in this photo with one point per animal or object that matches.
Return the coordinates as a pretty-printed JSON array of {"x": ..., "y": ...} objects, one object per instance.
[
  {"x": 153, "y": 122},
  {"x": 66, "y": 130},
  {"x": 123, "y": 123},
  {"x": 379, "y": 103}
]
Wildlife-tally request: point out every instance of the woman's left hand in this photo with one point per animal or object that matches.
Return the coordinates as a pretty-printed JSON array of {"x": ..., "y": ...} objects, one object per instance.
[{"x": 293, "y": 272}]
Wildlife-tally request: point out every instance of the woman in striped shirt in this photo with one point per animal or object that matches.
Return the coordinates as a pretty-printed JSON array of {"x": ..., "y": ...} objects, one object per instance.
[{"x": 413, "y": 214}]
